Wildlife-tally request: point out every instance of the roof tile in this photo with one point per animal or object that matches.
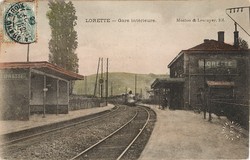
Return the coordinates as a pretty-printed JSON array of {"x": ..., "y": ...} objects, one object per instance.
[
  {"x": 41, "y": 64},
  {"x": 214, "y": 45}
]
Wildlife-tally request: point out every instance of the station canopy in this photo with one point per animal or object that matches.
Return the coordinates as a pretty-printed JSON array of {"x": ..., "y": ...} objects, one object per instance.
[
  {"x": 167, "y": 82},
  {"x": 43, "y": 67}
]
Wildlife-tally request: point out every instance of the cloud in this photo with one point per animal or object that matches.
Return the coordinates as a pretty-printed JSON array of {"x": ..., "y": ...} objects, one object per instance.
[{"x": 135, "y": 47}]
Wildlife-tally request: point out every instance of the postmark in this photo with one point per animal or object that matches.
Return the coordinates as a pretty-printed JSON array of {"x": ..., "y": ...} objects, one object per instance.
[
  {"x": 20, "y": 23},
  {"x": 232, "y": 130}
]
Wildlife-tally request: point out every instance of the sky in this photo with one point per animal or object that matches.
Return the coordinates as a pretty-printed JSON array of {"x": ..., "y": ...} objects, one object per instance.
[{"x": 136, "y": 47}]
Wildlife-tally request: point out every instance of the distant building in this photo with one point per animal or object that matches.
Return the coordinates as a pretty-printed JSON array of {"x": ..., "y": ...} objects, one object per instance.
[
  {"x": 33, "y": 87},
  {"x": 212, "y": 64}
]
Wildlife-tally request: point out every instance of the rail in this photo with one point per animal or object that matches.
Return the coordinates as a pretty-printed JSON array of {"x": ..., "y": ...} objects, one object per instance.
[
  {"x": 56, "y": 129},
  {"x": 113, "y": 133},
  {"x": 141, "y": 130},
  {"x": 94, "y": 145}
]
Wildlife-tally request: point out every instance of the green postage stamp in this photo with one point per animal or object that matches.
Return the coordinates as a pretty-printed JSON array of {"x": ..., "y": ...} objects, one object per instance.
[{"x": 20, "y": 22}]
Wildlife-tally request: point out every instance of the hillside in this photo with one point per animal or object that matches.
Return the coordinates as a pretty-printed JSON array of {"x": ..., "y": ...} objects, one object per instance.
[{"x": 118, "y": 82}]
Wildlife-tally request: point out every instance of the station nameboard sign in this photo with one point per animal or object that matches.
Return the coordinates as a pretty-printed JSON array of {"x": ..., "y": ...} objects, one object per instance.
[
  {"x": 213, "y": 63},
  {"x": 13, "y": 76}
]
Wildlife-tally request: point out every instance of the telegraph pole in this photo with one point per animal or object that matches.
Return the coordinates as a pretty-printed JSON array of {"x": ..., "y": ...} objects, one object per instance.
[
  {"x": 101, "y": 80},
  {"x": 111, "y": 89},
  {"x": 135, "y": 84},
  {"x": 107, "y": 78},
  {"x": 28, "y": 53},
  {"x": 237, "y": 9},
  {"x": 96, "y": 76},
  {"x": 204, "y": 81}
]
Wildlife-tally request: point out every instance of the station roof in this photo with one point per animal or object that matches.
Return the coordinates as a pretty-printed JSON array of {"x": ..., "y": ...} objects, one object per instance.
[
  {"x": 211, "y": 46},
  {"x": 166, "y": 82},
  {"x": 214, "y": 45},
  {"x": 43, "y": 66}
]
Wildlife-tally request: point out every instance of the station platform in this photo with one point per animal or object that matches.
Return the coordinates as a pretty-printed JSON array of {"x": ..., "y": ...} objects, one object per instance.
[
  {"x": 180, "y": 134},
  {"x": 38, "y": 120}
]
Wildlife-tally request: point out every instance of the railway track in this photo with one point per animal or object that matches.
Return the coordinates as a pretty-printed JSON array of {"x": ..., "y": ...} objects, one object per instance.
[
  {"x": 34, "y": 132},
  {"x": 67, "y": 142},
  {"x": 63, "y": 143},
  {"x": 117, "y": 143}
]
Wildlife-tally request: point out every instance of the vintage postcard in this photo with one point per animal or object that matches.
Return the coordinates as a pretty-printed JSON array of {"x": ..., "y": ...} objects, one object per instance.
[{"x": 148, "y": 80}]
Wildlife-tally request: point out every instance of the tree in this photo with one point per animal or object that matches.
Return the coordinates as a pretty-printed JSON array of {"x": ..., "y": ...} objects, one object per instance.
[
  {"x": 63, "y": 42},
  {"x": 243, "y": 44}
]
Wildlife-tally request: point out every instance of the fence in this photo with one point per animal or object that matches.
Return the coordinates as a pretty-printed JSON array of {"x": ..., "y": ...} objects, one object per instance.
[
  {"x": 119, "y": 99},
  {"x": 80, "y": 102},
  {"x": 237, "y": 111}
]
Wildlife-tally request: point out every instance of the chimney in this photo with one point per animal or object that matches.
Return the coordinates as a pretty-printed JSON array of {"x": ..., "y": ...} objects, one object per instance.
[
  {"x": 221, "y": 36},
  {"x": 236, "y": 36}
]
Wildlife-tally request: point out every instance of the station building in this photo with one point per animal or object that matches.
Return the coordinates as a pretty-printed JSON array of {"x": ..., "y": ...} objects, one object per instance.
[
  {"x": 34, "y": 87},
  {"x": 213, "y": 65}
]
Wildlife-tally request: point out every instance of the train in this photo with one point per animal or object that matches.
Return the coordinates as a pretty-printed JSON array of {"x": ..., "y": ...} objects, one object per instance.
[
  {"x": 125, "y": 98},
  {"x": 130, "y": 99}
]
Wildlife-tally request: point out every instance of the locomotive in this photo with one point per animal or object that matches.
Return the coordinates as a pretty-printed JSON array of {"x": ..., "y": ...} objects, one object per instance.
[{"x": 130, "y": 99}]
